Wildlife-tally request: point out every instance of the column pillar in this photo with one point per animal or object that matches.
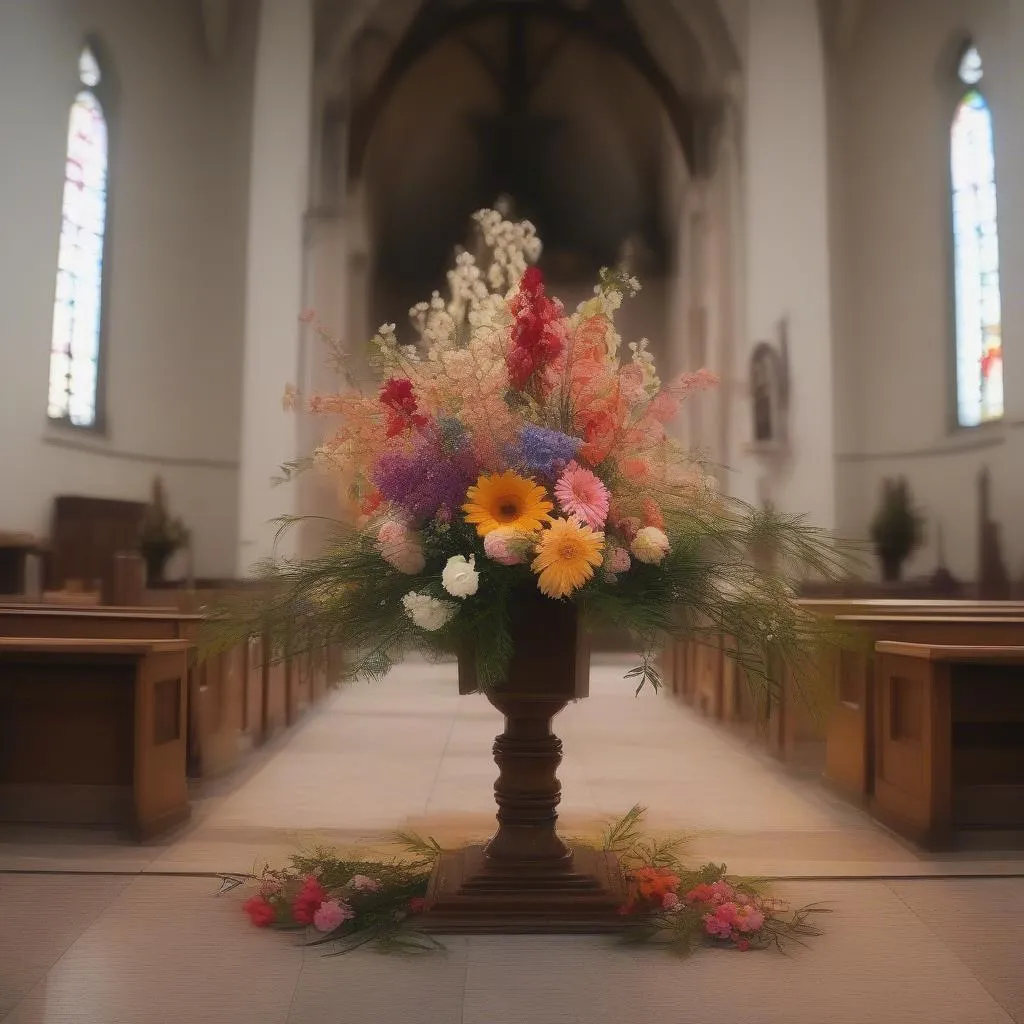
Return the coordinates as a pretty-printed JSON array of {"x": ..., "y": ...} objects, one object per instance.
[
  {"x": 787, "y": 251},
  {"x": 278, "y": 197}
]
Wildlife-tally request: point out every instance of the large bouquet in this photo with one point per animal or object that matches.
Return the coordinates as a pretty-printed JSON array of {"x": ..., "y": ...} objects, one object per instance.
[{"x": 519, "y": 451}]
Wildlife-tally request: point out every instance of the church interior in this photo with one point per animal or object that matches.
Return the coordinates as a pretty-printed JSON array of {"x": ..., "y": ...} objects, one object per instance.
[{"x": 824, "y": 203}]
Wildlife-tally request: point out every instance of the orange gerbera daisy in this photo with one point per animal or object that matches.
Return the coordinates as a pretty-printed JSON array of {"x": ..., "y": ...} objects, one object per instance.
[
  {"x": 507, "y": 499},
  {"x": 567, "y": 555}
]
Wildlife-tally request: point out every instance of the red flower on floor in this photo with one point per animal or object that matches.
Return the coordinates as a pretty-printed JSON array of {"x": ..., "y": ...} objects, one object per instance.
[
  {"x": 417, "y": 905},
  {"x": 260, "y": 911},
  {"x": 307, "y": 903},
  {"x": 654, "y": 883}
]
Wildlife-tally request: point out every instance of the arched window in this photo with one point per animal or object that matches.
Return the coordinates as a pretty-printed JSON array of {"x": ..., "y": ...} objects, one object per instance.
[
  {"x": 979, "y": 339},
  {"x": 78, "y": 306}
]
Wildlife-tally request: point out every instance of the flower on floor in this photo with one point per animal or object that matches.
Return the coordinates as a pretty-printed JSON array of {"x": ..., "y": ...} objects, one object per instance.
[
  {"x": 668, "y": 902},
  {"x": 261, "y": 912},
  {"x": 354, "y": 901},
  {"x": 331, "y": 915},
  {"x": 365, "y": 883},
  {"x": 308, "y": 901},
  {"x": 347, "y": 899}
]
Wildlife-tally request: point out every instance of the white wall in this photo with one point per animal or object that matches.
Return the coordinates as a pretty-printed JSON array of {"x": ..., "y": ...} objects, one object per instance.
[
  {"x": 178, "y": 197},
  {"x": 894, "y": 95},
  {"x": 786, "y": 273}
]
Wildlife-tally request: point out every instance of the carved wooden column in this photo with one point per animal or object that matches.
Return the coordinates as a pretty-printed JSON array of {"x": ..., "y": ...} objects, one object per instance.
[{"x": 526, "y": 879}]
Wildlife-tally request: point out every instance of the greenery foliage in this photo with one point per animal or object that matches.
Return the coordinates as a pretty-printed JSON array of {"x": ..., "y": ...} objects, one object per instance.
[{"x": 897, "y": 529}]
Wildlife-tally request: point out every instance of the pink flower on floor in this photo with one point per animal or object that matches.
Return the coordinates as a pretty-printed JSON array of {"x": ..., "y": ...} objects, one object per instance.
[
  {"x": 582, "y": 494},
  {"x": 721, "y": 891},
  {"x": 364, "y": 883},
  {"x": 743, "y": 945},
  {"x": 748, "y": 919},
  {"x": 307, "y": 903},
  {"x": 260, "y": 912},
  {"x": 331, "y": 915},
  {"x": 670, "y": 901},
  {"x": 270, "y": 886},
  {"x": 716, "y": 927}
]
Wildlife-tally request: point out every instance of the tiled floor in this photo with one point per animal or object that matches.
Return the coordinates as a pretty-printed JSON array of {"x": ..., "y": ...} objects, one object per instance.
[{"x": 140, "y": 946}]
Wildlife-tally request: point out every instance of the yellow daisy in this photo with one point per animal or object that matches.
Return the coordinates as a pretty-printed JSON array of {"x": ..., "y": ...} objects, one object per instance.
[
  {"x": 506, "y": 499},
  {"x": 567, "y": 555}
]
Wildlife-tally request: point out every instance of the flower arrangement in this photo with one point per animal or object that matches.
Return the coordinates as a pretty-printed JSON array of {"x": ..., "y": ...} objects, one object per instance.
[
  {"x": 519, "y": 447},
  {"x": 351, "y": 901},
  {"x": 356, "y": 902},
  {"x": 683, "y": 908}
]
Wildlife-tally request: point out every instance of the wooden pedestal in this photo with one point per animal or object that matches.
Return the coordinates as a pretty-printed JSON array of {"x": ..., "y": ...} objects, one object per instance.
[
  {"x": 469, "y": 893},
  {"x": 526, "y": 879}
]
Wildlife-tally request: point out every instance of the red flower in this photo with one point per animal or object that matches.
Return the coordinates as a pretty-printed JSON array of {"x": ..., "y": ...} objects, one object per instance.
[
  {"x": 260, "y": 912},
  {"x": 652, "y": 514},
  {"x": 307, "y": 903},
  {"x": 417, "y": 905},
  {"x": 537, "y": 331},
  {"x": 398, "y": 398},
  {"x": 700, "y": 894},
  {"x": 397, "y": 394},
  {"x": 743, "y": 945},
  {"x": 653, "y": 883},
  {"x": 371, "y": 503}
]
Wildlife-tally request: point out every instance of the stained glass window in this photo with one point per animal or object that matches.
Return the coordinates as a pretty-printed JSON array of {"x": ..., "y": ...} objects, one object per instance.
[
  {"x": 77, "y": 308},
  {"x": 979, "y": 345}
]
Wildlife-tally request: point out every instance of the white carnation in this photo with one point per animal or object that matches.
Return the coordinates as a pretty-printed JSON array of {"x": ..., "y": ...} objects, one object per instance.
[
  {"x": 460, "y": 577},
  {"x": 428, "y": 612}
]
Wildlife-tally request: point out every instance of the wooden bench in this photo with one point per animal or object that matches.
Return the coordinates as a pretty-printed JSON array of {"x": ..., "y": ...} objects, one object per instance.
[
  {"x": 216, "y": 688},
  {"x": 841, "y": 743},
  {"x": 850, "y": 731},
  {"x": 949, "y": 747},
  {"x": 93, "y": 731}
]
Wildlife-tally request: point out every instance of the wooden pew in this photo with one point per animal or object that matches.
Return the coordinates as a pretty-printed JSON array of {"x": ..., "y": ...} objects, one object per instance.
[
  {"x": 850, "y": 730},
  {"x": 949, "y": 751},
  {"x": 215, "y": 689},
  {"x": 93, "y": 731},
  {"x": 842, "y": 745}
]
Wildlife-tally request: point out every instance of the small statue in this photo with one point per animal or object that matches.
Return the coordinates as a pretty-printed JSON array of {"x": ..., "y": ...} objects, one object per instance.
[{"x": 769, "y": 385}]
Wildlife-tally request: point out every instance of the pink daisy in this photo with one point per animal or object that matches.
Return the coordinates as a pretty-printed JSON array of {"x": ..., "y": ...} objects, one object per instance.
[{"x": 582, "y": 494}]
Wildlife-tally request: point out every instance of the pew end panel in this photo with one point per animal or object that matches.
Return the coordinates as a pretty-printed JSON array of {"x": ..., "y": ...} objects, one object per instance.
[{"x": 949, "y": 740}]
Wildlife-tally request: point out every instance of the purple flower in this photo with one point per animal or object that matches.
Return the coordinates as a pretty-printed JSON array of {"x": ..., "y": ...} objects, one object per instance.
[
  {"x": 542, "y": 452},
  {"x": 427, "y": 479}
]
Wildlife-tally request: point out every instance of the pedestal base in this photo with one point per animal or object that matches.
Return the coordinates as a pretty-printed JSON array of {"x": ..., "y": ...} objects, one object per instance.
[{"x": 470, "y": 895}]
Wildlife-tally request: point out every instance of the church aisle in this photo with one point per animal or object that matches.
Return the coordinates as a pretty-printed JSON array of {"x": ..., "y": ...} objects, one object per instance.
[
  {"x": 91, "y": 949},
  {"x": 410, "y": 753},
  {"x": 166, "y": 950}
]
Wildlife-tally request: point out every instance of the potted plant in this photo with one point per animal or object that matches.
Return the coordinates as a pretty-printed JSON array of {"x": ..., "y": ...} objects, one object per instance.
[
  {"x": 160, "y": 535},
  {"x": 897, "y": 529}
]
